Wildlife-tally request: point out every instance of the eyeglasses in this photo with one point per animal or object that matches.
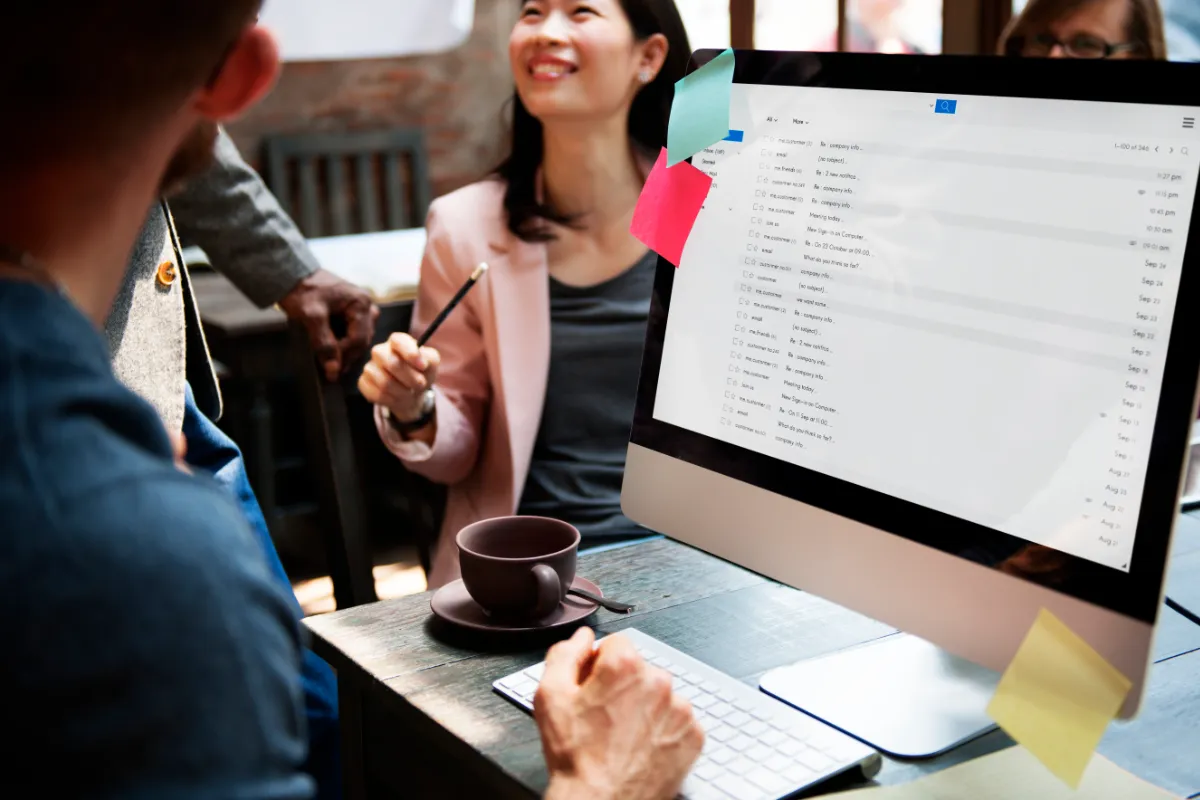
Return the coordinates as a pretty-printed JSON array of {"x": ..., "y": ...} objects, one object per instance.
[{"x": 1081, "y": 45}]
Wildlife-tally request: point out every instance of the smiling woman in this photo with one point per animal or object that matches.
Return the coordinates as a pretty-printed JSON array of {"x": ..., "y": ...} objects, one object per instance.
[
  {"x": 577, "y": 35},
  {"x": 524, "y": 401}
]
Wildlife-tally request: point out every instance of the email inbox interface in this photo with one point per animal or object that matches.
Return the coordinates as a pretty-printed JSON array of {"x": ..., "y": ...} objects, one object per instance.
[{"x": 964, "y": 307}]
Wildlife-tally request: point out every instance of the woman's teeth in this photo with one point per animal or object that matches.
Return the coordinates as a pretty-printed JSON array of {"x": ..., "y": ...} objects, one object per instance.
[{"x": 550, "y": 70}]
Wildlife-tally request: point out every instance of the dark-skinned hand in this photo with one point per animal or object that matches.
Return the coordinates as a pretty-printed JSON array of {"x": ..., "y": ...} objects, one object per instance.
[{"x": 322, "y": 297}]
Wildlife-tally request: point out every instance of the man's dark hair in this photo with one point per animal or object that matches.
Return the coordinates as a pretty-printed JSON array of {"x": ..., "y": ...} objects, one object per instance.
[{"x": 80, "y": 75}]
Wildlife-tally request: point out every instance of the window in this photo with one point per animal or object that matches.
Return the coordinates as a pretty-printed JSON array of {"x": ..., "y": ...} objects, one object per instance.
[
  {"x": 880, "y": 26},
  {"x": 707, "y": 22},
  {"x": 894, "y": 26},
  {"x": 788, "y": 25}
]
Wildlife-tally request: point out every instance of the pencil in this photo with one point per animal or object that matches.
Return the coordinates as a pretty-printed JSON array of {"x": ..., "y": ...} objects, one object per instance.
[{"x": 445, "y": 312}]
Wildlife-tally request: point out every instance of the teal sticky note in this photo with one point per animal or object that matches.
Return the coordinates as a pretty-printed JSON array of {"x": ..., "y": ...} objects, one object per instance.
[{"x": 700, "y": 111}]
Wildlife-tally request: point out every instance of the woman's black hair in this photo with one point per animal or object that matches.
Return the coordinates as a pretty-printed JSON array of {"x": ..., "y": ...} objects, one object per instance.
[{"x": 648, "y": 118}]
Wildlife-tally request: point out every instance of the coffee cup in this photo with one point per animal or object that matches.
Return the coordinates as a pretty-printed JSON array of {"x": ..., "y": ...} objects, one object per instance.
[{"x": 518, "y": 567}]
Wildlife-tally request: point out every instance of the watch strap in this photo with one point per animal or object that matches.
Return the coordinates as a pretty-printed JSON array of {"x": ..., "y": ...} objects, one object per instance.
[{"x": 409, "y": 426}]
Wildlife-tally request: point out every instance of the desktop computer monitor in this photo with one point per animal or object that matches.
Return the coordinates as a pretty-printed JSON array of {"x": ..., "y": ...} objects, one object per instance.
[{"x": 931, "y": 350}]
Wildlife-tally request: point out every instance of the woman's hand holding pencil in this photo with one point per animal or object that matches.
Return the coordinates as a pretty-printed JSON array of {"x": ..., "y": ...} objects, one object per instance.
[
  {"x": 402, "y": 369},
  {"x": 398, "y": 374}
]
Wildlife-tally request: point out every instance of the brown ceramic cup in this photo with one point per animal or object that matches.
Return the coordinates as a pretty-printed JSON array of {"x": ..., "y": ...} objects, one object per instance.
[{"x": 518, "y": 567}]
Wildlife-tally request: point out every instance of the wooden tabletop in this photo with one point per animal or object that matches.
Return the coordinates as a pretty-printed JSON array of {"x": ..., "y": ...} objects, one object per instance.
[
  {"x": 225, "y": 311},
  {"x": 420, "y": 676}
]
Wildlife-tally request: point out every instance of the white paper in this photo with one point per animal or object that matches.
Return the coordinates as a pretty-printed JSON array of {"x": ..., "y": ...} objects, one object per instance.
[
  {"x": 329, "y": 30},
  {"x": 387, "y": 264}
]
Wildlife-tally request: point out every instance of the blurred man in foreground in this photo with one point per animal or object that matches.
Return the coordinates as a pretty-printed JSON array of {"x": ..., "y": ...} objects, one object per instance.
[
  {"x": 159, "y": 350},
  {"x": 148, "y": 652}
]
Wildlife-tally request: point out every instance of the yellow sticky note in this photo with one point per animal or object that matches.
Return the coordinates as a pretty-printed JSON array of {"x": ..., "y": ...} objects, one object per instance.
[{"x": 1057, "y": 697}]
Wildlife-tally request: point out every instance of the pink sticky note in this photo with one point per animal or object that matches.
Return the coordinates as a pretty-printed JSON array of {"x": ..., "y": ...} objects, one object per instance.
[{"x": 668, "y": 206}]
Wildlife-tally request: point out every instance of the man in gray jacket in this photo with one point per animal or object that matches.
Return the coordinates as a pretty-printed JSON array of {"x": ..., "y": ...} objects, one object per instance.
[
  {"x": 230, "y": 213},
  {"x": 159, "y": 350}
]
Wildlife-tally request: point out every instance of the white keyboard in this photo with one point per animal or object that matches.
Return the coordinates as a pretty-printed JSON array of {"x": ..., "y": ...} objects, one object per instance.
[{"x": 756, "y": 747}]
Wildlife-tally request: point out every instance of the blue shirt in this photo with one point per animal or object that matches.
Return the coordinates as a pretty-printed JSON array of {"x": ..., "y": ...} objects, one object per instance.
[{"x": 144, "y": 650}]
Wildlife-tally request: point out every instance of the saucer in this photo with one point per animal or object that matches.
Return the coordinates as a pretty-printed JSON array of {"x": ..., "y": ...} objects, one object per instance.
[{"x": 454, "y": 604}]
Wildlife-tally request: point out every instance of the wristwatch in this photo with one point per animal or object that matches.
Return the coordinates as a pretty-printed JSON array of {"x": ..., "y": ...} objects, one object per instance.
[{"x": 428, "y": 404}]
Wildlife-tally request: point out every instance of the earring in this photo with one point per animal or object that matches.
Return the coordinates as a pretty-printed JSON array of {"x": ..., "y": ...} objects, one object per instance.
[{"x": 644, "y": 76}]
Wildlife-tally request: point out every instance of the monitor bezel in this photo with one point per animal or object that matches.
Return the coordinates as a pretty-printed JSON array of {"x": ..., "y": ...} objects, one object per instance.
[{"x": 1136, "y": 594}]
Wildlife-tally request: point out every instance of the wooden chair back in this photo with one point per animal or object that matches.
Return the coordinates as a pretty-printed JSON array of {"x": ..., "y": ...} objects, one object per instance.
[{"x": 333, "y": 184}]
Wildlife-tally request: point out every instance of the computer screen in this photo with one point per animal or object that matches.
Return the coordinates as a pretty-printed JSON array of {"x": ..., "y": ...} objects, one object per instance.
[{"x": 959, "y": 302}]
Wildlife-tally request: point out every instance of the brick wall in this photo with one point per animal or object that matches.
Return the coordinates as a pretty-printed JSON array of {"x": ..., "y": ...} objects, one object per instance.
[{"x": 458, "y": 98}]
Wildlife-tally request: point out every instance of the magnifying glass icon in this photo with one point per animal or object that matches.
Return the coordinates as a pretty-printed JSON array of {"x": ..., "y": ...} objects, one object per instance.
[{"x": 945, "y": 106}]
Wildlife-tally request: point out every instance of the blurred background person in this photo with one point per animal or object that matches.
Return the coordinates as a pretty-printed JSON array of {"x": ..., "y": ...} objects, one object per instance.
[
  {"x": 524, "y": 400},
  {"x": 1086, "y": 29}
]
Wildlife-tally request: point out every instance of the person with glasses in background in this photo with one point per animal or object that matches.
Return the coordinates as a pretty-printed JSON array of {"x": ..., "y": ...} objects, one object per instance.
[{"x": 1086, "y": 29}]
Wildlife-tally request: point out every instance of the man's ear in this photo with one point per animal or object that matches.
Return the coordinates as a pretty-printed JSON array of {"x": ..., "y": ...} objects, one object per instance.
[{"x": 247, "y": 75}]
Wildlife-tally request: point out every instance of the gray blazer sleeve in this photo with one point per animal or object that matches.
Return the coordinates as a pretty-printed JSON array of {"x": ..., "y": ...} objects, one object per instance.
[{"x": 229, "y": 212}]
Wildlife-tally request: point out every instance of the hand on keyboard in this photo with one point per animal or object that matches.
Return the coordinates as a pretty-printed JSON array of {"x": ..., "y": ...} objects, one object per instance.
[
  {"x": 757, "y": 748},
  {"x": 611, "y": 727}
]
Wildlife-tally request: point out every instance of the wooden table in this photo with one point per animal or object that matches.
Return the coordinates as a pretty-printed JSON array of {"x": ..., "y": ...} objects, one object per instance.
[{"x": 420, "y": 718}]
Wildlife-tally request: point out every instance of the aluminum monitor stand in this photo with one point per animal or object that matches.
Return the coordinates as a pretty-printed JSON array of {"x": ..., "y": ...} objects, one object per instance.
[{"x": 899, "y": 694}]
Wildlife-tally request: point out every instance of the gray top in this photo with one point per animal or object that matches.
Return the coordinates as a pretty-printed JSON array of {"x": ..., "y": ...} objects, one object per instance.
[{"x": 596, "y": 339}]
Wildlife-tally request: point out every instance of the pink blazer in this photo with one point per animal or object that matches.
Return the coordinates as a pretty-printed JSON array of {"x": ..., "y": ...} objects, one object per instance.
[{"x": 495, "y": 350}]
